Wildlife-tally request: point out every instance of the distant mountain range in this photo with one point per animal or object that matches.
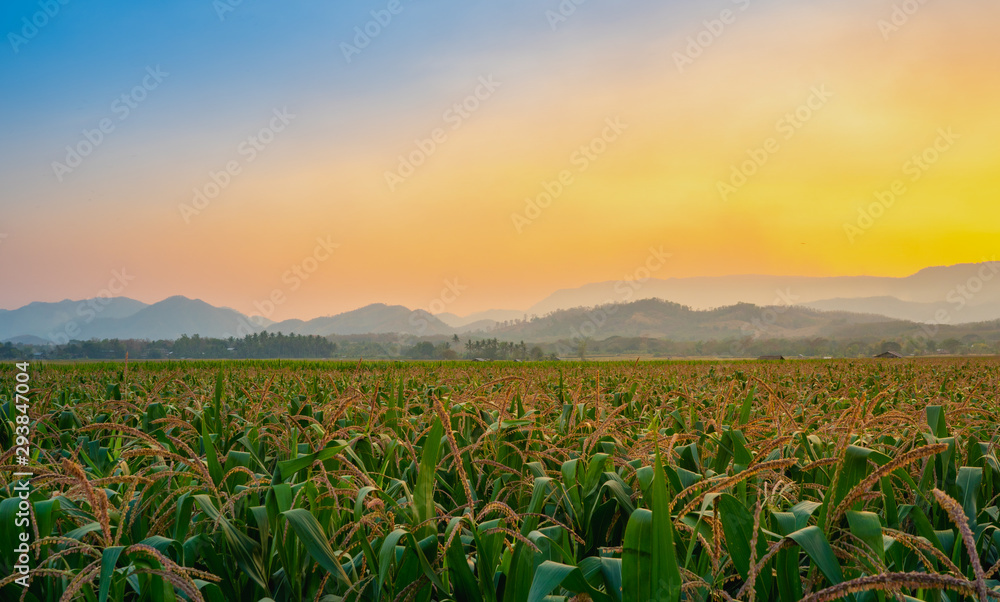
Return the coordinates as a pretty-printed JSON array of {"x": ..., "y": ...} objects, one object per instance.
[
  {"x": 655, "y": 318},
  {"x": 480, "y": 319},
  {"x": 119, "y": 317},
  {"x": 966, "y": 292},
  {"x": 771, "y": 306},
  {"x": 51, "y": 321}
]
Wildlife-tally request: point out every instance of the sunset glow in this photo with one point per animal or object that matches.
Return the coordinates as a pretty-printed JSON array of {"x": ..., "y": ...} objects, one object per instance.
[{"x": 512, "y": 150}]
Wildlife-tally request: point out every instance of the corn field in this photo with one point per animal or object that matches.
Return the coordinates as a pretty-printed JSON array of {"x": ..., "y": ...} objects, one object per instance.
[{"x": 504, "y": 482}]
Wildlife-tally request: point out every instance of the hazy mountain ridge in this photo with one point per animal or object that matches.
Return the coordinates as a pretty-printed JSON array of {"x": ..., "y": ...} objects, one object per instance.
[
  {"x": 892, "y": 307},
  {"x": 950, "y": 289},
  {"x": 730, "y": 306},
  {"x": 655, "y": 318},
  {"x": 52, "y": 320},
  {"x": 481, "y": 317},
  {"x": 376, "y": 318},
  {"x": 170, "y": 319}
]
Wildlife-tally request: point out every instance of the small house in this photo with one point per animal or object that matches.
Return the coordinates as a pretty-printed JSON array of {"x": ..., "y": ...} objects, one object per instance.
[
  {"x": 770, "y": 358},
  {"x": 889, "y": 355}
]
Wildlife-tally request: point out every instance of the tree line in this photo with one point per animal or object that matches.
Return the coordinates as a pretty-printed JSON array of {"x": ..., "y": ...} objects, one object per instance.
[
  {"x": 254, "y": 346},
  {"x": 281, "y": 346}
]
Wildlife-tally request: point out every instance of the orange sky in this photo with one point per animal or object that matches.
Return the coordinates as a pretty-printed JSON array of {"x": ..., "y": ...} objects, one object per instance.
[{"x": 882, "y": 103}]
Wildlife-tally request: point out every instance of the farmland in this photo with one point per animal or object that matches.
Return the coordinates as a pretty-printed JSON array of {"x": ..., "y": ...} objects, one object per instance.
[{"x": 503, "y": 482}]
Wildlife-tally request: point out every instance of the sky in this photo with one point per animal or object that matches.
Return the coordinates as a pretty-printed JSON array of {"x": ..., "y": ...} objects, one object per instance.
[{"x": 302, "y": 158}]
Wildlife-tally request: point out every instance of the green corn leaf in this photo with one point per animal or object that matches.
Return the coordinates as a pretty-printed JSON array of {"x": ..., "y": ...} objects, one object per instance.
[
  {"x": 787, "y": 562},
  {"x": 422, "y": 548},
  {"x": 638, "y": 573},
  {"x": 290, "y": 468},
  {"x": 968, "y": 481},
  {"x": 246, "y": 551},
  {"x": 611, "y": 570},
  {"x": 182, "y": 516},
  {"x": 212, "y": 592},
  {"x": 747, "y": 405},
  {"x": 220, "y": 385},
  {"x": 855, "y": 468},
  {"x": 665, "y": 565},
  {"x": 214, "y": 467},
  {"x": 46, "y": 512},
  {"x": 423, "y": 494},
  {"x": 737, "y": 524},
  {"x": 867, "y": 527},
  {"x": 464, "y": 586},
  {"x": 814, "y": 542},
  {"x": 311, "y": 534},
  {"x": 936, "y": 420},
  {"x": 387, "y": 556},
  {"x": 551, "y": 575},
  {"x": 109, "y": 560}
]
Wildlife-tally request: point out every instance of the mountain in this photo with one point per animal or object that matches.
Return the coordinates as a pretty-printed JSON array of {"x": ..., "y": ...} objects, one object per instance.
[
  {"x": 966, "y": 292},
  {"x": 477, "y": 326},
  {"x": 655, "y": 318},
  {"x": 171, "y": 318},
  {"x": 953, "y": 313},
  {"x": 261, "y": 321},
  {"x": 372, "y": 319},
  {"x": 28, "y": 339},
  {"x": 482, "y": 317},
  {"x": 884, "y": 305},
  {"x": 61, "y": 321}
]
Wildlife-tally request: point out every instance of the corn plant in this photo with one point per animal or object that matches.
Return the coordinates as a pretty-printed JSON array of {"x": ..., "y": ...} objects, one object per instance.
[{"x": 504, "y": 482}]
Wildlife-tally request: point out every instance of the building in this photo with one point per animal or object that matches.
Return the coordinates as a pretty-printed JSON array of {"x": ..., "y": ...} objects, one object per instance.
[
  {"x": 889, "y": 355},
  {"x": 771, "y": 357}
]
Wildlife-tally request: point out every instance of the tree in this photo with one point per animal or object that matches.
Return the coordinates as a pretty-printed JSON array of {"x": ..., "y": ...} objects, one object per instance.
[
  {"x": 890, "y": 346},
  {"x": 422, "y": 351},
  {"x": 951, "y": 345}
]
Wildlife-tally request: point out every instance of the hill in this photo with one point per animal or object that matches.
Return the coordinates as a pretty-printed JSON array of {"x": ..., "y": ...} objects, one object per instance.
[
  {"x": 171, "y": 318},
  {"x": 61, "y": 321},
  {"x": 372, "y": 319}
]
